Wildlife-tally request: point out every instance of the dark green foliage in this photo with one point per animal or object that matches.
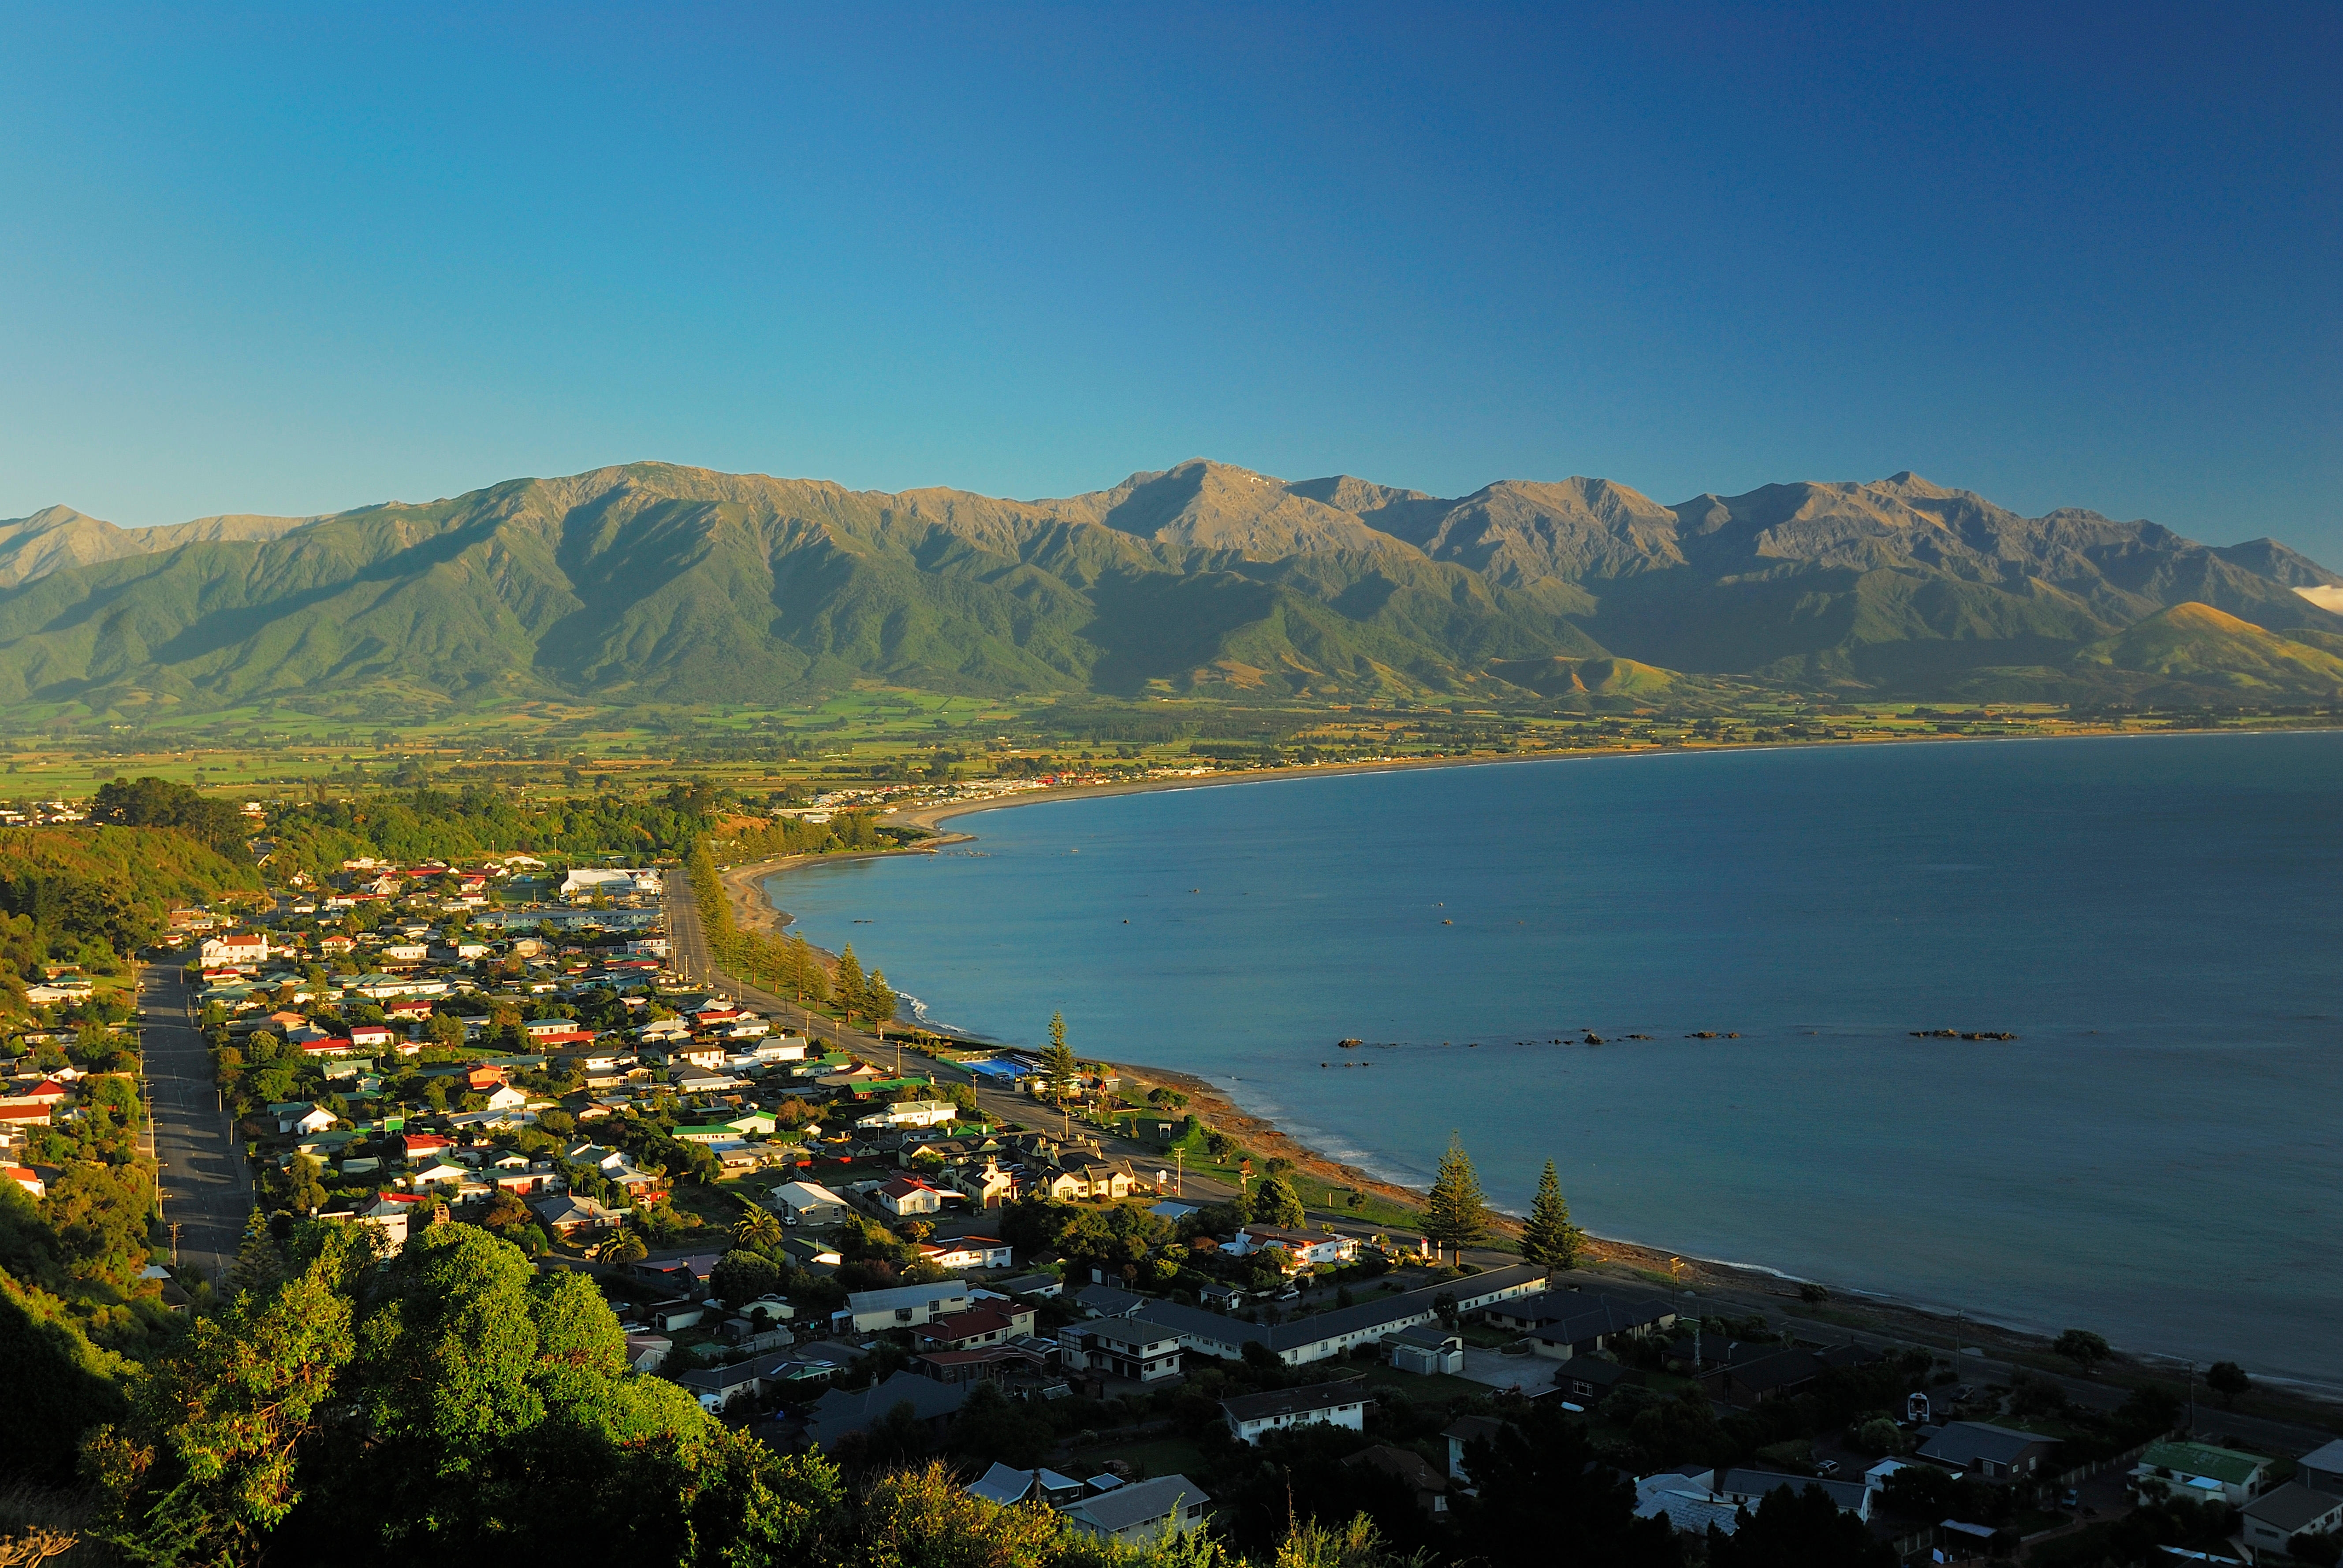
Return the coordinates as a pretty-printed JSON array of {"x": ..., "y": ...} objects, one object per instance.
[
  {"x": 1799, "y": 1530},
  {"x": 1273, "y": 1204},
  {"x": 2084, "y": 1348},
  {"x": 740, "y": 1277},
  {"x": 1544, "y": 1497},
  {"x": 1549, "y": 1236},
  {"x": 59, "y": 1385},
  {"x": 1454, "y": 1212},
  {"x": 161, "y": 803},
  {"x": 90, "y": 891},
  {"x": 2228, "y": 1379}
]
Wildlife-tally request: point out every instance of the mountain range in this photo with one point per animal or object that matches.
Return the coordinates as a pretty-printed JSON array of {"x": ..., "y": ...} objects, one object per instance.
[{"x": 654, "y": 583}]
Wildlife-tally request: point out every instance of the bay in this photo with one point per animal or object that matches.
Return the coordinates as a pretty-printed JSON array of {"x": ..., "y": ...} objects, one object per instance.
[{"x": 2157, "y": 1157}]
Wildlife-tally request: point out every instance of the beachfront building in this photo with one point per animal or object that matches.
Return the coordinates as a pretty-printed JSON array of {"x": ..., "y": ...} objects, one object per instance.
[{"x": 1322, "y": 1335}]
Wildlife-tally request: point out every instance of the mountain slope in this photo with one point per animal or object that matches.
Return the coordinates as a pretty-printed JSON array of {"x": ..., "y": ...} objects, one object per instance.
[
  {"x": 654, "y": 582},
  {"x": 2199, "y": 645}
]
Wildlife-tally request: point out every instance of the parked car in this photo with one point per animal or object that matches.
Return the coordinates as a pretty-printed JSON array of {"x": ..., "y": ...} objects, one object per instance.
[{"x": 1827, "y": 1467}]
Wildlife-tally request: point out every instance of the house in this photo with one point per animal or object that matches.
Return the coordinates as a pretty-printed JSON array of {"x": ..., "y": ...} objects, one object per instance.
[
  {"x": 226, "y": 952},
  {"x": 2273, "y": 1520},
  {"x": 317, "y": 1119},
  {"x": 1566, "y": 1324},
  {"x": 911, "y": 1113},
  {"x": 1141, "y": 1510},
  {"x": 27, "y": 1178},
  {"x": 1039, "y": 1286},
  {"x": 372, "y": 1035},
  {"x": 1427, "y": 1350},
  {"x": 1322, "y": 1336},
  {"x": 908, "y": 1195},
  {"x": 2322, "y": 1468},
  {"x": 1006, "y": 1488},
  {"x": 1688, "y": 1501},
  {"x": 23, "y": 1111},
  {"x": 988, "y": 1186},
  {"x": 613, "y": 882},
  {"x": 804, "y": 1203},
  {"x": 1301, "y": 1247},
  {"x": 969, "y": 1252},
  {"x": 1134, "y": 1348},
  {"x": 977, "y": 1327},
  {"x": 1586, "y": 1379},
  {"x": 2198, "y": 1471},
  {"x": 902, "y": 1306},
  {"x": 505, "y": 1097},
  {"x": 417, "y": 1146},
  {"x": 1464, "y": 1431},
  {"x": 841, "y": 1413},
  {"x": 570, "y": 1215},
  {"x": 1986, "y": 1451},
  {"x": 1252, "y": 1416},
  {"x": 1406, "y": 1470}
]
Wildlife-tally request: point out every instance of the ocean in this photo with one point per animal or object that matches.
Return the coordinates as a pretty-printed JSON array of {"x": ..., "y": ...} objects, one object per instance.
[{"x": 2157, "y": 1156}]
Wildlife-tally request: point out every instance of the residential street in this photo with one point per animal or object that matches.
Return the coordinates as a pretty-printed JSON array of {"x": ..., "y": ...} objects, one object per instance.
[{"x": 206, "y": 1184}]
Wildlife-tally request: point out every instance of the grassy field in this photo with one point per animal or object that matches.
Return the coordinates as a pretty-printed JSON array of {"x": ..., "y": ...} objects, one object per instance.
[{"x": 277, "y": 749}]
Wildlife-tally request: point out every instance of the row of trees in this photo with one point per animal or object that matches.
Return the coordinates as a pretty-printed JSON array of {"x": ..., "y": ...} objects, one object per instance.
[
  {"x": 787, "y": 964},
  {"x": 1456, "y": 1214}
]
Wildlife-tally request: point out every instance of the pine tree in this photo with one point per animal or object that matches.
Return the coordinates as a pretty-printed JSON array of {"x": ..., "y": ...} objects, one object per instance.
[
  {"x": 1456, "y": 1215},
  {"x": 259, "y": 1266},
  {"x": 1057, "y": 1063},
  {"x": 847, "y": 986},
  {"x": 1550, "y": 1237},
  {"x": 878, "y": 1001}
]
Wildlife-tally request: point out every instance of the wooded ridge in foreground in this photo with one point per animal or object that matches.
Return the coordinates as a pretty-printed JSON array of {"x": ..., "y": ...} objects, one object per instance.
[{"x": 656, "y": 583}]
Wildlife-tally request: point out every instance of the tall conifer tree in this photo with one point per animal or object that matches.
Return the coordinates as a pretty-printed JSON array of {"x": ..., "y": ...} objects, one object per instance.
[
  {"x": 1550, "y": 1237},
  {"x": 1456, "y": 1214}
]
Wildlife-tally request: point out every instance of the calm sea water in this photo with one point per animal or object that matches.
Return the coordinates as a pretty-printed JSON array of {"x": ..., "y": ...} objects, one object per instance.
[{"x": 2159, "y": 1155}]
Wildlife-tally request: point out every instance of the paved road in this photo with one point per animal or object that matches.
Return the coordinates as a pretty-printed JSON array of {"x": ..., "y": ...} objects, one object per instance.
[{"x": 206, "y": 1184}]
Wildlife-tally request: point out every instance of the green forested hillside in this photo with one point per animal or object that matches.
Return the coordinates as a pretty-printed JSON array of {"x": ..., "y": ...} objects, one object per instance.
[{"x": 656, "y": 583}]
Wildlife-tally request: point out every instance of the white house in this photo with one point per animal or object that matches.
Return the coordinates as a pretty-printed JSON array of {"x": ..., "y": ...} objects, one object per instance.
[
  {"x": 905, "y": 1196},
  {"x": 2273, "y": 1520},
  {"x": 808, "y": 1203},
  {"x": 317, "y": 1119},
  {"x": 910, "y": 1113},
  {"x": 1300, "y": 1245},
  {"x": 1343, "y": 1403},
  {"x": 223, "y": 952}
]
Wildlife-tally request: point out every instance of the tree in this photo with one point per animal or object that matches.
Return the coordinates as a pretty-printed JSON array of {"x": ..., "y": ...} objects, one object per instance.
[
  {"x": 1550, "y": 1237},
  {"x": 444, "y": 1030},
  {"x": 626, "y": 1247},
  {"x": 1273, "y": 1204},
  {"x": 757, "y": 1227},
  {"x": 849, "y": 985},
  {"x": 2228, "y": 1379},
  {"x": 879, "y": 1001},
  {"x": 259, "y": 1266},
  {"x": 739, "y": 1278},
  {"x": 2084, "y": 1348},
  {"x": 1057, "y": 1063},
  {"x": 1455, "y": 1215},
  {"x": 207, "y": 1464},
  {"x": 1799, "y": 1530}
]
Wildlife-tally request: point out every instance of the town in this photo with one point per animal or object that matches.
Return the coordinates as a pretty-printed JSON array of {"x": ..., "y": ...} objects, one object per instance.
[{"x": 1032, "y": 1279}]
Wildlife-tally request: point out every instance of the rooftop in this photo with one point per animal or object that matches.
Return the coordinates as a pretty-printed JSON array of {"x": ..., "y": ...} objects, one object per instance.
[{"x": 1296, "y": 1401}]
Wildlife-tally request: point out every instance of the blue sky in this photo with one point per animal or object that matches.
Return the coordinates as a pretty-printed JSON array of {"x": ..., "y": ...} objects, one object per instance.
[{"x": 293, "y": 260}]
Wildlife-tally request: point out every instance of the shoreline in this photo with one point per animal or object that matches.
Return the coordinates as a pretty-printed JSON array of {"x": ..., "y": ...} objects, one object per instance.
[{"x": 1849, "y": 1307}]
